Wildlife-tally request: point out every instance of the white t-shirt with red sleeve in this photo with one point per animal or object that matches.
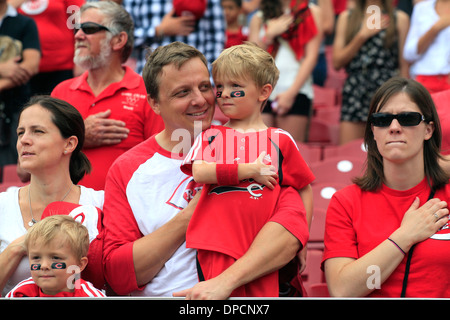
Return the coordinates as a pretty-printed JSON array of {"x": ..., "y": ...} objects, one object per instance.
[{"x": 144, "y": 189}]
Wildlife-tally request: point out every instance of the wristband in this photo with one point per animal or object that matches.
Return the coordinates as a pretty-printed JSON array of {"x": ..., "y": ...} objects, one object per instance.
[
  {"x": 397, "y": 246},
  {"x": 227, "y": 174}
]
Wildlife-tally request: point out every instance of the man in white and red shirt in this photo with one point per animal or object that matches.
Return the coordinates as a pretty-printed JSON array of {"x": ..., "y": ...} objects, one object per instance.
[{"x": 148, "y": 198}]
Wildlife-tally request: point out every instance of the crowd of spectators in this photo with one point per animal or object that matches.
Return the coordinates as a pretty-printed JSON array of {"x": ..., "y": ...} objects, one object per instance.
[{"x": 100, "y": 101}]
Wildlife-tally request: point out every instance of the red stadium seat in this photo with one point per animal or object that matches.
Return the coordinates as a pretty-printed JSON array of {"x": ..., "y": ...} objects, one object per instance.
[
  {"x": 337, "y": 169},
  {"x": 323, "y": 132},
  {"x": 355, "y": 148},
  {"x": 312, "y": 273},
  {"x": 322, "y": 193},
  {"x": 10, "y": 174},
  {"x": 331, "y": 114},
  {"x": 324, "y": 96},
  {"x": 318, "y": 290},
  {"x": 310, "y": 153},
  {"x": 317, "y": 230}
]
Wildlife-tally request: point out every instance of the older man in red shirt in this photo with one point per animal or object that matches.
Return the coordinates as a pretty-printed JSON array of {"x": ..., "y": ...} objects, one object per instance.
[{"x": 111, "y": 97}]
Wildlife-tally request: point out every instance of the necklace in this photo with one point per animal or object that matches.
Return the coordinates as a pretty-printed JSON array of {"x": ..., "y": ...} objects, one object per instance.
[{"x": 33, "y": 221}]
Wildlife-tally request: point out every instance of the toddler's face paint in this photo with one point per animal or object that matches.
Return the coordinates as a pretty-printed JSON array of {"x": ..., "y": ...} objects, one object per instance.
[
  {"x": 58, "y": 265},
  {"x": 237, "y": 94},
  {"x": 219, "y": 94},
  {"x": 55, "y": 265}
]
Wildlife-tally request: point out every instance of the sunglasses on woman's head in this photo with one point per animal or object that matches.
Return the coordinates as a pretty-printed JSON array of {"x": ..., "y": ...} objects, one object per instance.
[
  {"x": 90, "y": 28},
  {"x": 406, "y": 119}
]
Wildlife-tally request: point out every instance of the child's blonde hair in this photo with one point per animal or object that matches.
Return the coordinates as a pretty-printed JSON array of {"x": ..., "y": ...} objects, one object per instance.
[
  {"x": 247, "y": 61},
  {"x": 72, "y": 232}
]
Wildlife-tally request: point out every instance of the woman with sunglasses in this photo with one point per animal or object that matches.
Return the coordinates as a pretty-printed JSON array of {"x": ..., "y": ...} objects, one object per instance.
[{"x": 386, "y": 234}]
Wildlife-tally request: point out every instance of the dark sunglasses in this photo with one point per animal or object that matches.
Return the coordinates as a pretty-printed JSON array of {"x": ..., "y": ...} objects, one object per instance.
[
  {"x": 406, "y": 119},
  {"x": 90, "y": 28}
]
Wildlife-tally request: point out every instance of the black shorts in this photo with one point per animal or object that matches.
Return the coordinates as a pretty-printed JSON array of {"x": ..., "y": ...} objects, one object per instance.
[{"x": 301, "y": 107}]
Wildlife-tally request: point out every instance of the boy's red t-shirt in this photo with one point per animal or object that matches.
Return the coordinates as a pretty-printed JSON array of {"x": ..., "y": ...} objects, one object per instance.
[{"x": 228, "y": 218}]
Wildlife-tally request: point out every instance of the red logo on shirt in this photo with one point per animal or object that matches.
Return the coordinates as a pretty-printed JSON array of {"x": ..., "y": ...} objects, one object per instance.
[
  {"x": 34, "y": 7},
  {"x": 250, "y": 186},
  {"x": 191, "y": 190},
  {"x": 184, "y": 193}
]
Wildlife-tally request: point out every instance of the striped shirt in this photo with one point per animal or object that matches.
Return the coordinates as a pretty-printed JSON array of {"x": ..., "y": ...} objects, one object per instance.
[{"x": 208, "y": 36}]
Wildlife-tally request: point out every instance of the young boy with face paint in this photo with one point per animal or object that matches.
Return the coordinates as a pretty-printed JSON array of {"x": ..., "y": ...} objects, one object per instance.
[
  {"x": 243, "y": 166},
  {"x": 57, "y": 248}
]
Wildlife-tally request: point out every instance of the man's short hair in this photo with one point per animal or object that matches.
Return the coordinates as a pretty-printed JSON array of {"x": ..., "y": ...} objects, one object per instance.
[{"x": 176, "y": 53}]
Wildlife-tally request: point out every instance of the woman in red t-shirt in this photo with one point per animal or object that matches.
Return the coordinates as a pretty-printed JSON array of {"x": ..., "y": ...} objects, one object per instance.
[{"x": 374, "y": 225}]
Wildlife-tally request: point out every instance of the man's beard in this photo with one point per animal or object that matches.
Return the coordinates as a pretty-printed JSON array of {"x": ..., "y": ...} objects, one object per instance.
[{"x": 93, "y": 62}]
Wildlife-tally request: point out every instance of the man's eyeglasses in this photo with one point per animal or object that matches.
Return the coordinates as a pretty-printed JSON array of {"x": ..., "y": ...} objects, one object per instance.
[
  {"x": 90, "y": 28},
  {"x": 406, "y": 119}
]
